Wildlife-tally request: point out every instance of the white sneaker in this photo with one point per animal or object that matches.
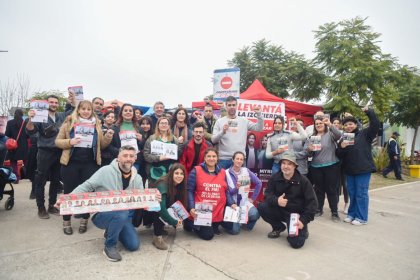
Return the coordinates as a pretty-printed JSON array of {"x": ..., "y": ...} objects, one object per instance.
[
  {"x": 358, "y": 223},
  {"x": 348, "y": 220}
]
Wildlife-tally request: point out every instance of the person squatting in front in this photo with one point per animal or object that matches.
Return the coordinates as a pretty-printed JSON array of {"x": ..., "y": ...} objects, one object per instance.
[
  {"x": 289, "y": 192},
  {"x": 119, "y": 175},
  {"x": 207, "y": 184}
]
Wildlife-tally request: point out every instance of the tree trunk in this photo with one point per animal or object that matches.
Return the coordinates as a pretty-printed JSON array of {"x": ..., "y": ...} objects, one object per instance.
[{"x": 413, "y": 145}]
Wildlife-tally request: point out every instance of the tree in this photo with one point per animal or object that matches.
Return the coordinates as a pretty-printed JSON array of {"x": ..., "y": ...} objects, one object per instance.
[
  {"x": 282, "y": 73},
  {"x": 62, "y": 99},
  {"x": 406, "y": 110},
  {"x": 14, "y": 94},
  {"x": 357, "y": 72}
]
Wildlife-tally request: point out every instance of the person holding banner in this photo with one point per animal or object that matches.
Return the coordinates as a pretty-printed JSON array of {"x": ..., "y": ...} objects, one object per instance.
[
  {"x": 281, "y": 140},
  {"x": 230, "y": 132},
  {"x": 80, "y": 159},
  {"x": 172, "y": 188},
  {"x": 239, "y": 181},
  {"x": 158, "y": 162},
  {"x": 207, "y": 184},
  {"x": 119, "y": 175}
]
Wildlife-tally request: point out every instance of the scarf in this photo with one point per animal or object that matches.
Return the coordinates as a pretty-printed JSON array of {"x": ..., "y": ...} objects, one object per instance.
[{"x": 180, "y": 129}]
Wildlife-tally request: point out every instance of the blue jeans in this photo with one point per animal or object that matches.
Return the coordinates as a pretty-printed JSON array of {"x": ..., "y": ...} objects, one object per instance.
[
  {"x": 118, "y": 226},
  {"x": 225, "y": 163},
  {"x": 275, "y": 168},
  {"x": 358, "y": 186},
  {"x": 234, "y": 228}
]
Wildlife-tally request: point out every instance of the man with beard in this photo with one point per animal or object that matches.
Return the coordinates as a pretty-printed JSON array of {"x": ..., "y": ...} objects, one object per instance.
[
  {"x": 193, "y": 153},
  {"x": 119, "y": 175},
  {"x": 48, "y": 157}
]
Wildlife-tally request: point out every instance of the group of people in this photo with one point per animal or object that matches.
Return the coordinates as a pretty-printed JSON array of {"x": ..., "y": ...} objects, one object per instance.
[{"x": 216, "y": 160}]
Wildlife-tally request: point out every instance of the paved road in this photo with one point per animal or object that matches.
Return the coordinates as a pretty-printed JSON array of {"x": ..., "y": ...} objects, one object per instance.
[{"x": 387, "y": 248}]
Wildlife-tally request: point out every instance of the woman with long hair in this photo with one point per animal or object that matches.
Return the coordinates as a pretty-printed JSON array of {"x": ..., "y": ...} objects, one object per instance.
[
  {"x": 158, "y": 165},
  {"x": 126, "y": 132},
  {"x": 108, "y": 122},
  {"x": 207, "y": 184},
  {"x": 324, "y": 167},
  {"x": 79, "y": 160},
  {"x": 281, "y": 140},
  {"x": 172, "y": 187},
  {"x": 146, "y": 124},
  {"x": 181, "y": 126}
]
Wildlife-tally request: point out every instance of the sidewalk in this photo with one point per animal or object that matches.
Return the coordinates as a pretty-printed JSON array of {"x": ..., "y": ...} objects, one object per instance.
[{"x": 387, "y": 248}]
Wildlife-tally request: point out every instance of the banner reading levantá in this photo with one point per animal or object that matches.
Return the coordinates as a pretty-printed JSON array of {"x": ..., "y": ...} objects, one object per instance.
[
  {"x": 226, "y": 82},
  {"x": 269, "y": 110}
]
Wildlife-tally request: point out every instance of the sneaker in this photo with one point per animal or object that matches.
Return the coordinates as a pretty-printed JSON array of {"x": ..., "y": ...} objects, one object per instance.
[
  {"x": 42, "y": 213},
  {"x": 347, "y": 220},
  {"x": 358, "y": 223},
  {"x": 335, "y": 217},
  {"x": 319, "y": 213},
  {"x": 159, "y": 242},
  {"x": 54, "y": 211},
  {"x": 274, "y": 234},
  {"x": 112, "y": 254}
]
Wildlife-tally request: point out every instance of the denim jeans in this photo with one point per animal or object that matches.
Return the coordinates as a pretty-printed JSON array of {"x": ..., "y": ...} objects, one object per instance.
[
  {"x": 275, "y": 168},
  {"x": 225, "y": 163},
  {"x": 358, "y": 186},
  {"x": 118, "y": 226},
  {"x": 234, "y": 228}
]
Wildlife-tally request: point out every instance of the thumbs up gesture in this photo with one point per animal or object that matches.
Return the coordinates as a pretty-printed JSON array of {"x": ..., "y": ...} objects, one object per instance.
[{"x": 282, "y": 201}]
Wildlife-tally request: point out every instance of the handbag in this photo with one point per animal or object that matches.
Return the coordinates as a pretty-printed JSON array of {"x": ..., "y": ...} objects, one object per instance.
[{"x": 12, "y": 144}]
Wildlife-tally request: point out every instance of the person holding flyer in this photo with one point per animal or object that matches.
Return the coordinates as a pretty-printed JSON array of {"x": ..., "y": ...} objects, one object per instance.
[
  {"x": 281, "y": 140},
  {"x": 239, "y": 181},
  {"x": 358, "y": 165},
  {"x": 172, "y": 187},
  {"x": 119, "y": 175},
  {"x": 80, "y": 158},
  {"x": 126, "y": 131},
  {"x": 287, "y": 193},
  {"x": 207, "y": 184},
  {"x": 158, "y": 163},
  {"x": 324, "y": 167}
]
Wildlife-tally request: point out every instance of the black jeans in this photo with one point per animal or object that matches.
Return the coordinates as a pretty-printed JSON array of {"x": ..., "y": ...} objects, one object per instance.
[
  {"x": 276, "y": 216},
  {"x": 394, "y": 164},
  {"x": 48, "y": 164},
  {"x": 325, "y": 180},
  {"x": 74, "y": 174},
  {"x": 205, "y": 233}
]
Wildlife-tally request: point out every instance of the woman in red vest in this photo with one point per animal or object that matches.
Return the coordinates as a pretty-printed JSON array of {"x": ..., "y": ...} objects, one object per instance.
[{"x": 207, "y": 184}]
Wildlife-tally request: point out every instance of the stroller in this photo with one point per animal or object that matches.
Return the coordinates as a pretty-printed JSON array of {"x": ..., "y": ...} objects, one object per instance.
[{"x": 7, "y": 177}]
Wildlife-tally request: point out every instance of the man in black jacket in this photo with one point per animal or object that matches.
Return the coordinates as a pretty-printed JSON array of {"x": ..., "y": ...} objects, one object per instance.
[{"x": 289, "y": 192}]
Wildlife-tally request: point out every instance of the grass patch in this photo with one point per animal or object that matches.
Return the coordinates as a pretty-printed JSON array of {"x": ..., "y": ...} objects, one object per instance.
[{"x": 378, "y": 181}]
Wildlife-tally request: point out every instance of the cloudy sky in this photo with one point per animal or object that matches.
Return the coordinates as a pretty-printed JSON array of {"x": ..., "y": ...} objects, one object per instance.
[{"x": 167, "y": 50}]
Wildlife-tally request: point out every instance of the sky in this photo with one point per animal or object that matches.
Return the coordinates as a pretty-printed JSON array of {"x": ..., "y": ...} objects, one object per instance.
[{"x": 144, "y": 51}]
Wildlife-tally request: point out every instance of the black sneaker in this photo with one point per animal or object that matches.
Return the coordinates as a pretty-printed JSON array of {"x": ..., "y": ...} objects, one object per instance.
[
  {"x": 274, "y": 234},
  {"x": 52, "y": 210},
  {"x": 112, "y": 254},
  {"x": 335, "y": 217},
  {"x": 319, "y": 213},
  {"x": 42, "y": 213}
]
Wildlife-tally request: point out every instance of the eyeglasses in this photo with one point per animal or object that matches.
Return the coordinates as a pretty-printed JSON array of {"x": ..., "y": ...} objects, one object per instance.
[{"x": 163, "y": 123}]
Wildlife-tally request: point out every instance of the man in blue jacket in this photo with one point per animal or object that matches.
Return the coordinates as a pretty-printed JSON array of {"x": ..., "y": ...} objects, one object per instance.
[{"x": 394, "y": 157}]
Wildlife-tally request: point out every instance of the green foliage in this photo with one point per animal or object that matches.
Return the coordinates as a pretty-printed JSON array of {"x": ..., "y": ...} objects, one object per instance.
[
  {"x": 380, "y": 158},
  {"x": 62, "y": 99},
  {"x": 281, "y": 72},
  {"x": 357, "y": 71}
]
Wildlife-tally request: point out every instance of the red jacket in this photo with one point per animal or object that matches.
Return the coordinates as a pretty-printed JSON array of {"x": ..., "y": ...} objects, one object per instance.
[{"x": 187, "y": 157}]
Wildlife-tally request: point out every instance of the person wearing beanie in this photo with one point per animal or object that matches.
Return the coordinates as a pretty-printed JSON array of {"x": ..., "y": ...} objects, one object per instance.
[{"x": 358, "y": 165}]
